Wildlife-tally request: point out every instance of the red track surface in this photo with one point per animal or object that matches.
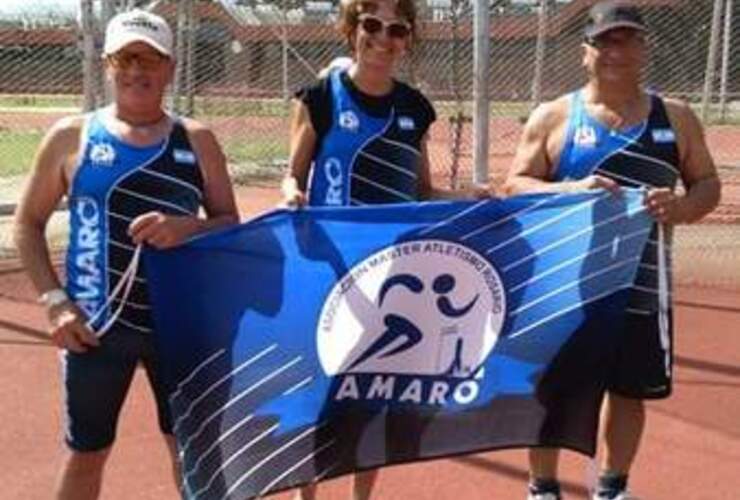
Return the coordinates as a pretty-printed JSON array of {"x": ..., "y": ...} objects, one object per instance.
[{"x": 691, "y": 449}]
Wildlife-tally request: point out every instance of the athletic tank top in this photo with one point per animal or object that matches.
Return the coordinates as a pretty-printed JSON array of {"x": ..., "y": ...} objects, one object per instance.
[
  {"x": 114, "y": 183},
  {"x": 643, "y": 155},
  {"x": 365, "y": 159}
]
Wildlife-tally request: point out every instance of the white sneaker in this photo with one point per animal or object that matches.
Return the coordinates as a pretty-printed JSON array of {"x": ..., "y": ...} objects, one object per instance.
[{"x": 542, "y": 496}]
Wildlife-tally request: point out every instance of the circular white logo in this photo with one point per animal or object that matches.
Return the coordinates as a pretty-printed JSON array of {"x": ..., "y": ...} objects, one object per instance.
[
  {"x": 426, "y": 307},
  {"x": 348, "y": 120},
  {"x": 102, "y": 154}
]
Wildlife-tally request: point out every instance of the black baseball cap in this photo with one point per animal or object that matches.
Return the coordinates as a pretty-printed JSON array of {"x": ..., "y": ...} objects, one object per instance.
[{"x": 609, "y": 15}]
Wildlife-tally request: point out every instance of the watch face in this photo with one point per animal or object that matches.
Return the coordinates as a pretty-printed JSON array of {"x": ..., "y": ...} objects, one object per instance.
[{"x": 54, "y": 297}]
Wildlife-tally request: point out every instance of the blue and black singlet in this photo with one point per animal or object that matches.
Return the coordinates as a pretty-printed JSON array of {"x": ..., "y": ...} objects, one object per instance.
[
  {"x": 368, "y": 148},
  {"x": 114, "y": 183},
  {"x": 643, "y": 155}
]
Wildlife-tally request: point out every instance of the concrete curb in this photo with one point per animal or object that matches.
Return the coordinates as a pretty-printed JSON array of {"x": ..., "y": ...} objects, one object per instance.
[{"x": 7, "y": 209}]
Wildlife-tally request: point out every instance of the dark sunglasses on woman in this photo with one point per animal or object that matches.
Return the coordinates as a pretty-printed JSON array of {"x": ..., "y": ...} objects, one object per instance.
[{"x": 393, "y": 29}]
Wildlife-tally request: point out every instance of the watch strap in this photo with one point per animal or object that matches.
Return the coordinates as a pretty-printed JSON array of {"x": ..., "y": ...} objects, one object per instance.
[{"x": 54, "y": 297}]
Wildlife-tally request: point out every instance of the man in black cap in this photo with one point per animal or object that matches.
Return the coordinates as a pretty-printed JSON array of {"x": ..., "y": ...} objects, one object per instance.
[{"x": 608, "y": 134}]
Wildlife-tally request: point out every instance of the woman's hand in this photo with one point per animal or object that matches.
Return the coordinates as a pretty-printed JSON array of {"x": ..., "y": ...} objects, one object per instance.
[{"x": 293, "y": 196}]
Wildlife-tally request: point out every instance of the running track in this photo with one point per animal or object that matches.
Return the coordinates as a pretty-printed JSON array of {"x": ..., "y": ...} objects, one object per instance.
[{"x": 691, "y": 450}]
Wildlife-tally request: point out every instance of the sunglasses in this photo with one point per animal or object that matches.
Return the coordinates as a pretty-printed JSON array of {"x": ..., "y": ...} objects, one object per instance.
[
  {"x": 604, "y": 42},
  {"x": 393, "y": 29},
  {"x": 145, "y": 61}
]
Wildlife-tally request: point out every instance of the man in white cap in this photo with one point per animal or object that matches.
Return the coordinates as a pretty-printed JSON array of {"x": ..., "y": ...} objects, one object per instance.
[
  {"x": 133, "y": 174},
  {"x": 612, "y": 133}
]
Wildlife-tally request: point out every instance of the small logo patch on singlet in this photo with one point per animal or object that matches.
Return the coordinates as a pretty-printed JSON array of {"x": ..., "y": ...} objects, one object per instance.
[
  {"x": 183, "y": 156},
  {"x": 102, "y": 154},
  {"x": 663, "y": 135},
  {"x": 406, "y": 123},
  {"x": 585, "y": 136},
  {"x": 348, "y": 120}
]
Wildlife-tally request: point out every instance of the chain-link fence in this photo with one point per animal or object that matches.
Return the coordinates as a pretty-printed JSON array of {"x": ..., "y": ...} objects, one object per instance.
[{"x": 240, "y": 61}]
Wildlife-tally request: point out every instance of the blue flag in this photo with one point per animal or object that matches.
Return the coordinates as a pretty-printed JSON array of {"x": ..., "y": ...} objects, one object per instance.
[{"x": 307, "y": 344}]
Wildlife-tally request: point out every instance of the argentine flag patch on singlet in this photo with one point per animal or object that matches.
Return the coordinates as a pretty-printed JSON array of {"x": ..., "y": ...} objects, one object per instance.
[
  {"x": 663, "y": 135},
  {"x": 183, "y": 156},
  {"x": 406, "y": 123}
]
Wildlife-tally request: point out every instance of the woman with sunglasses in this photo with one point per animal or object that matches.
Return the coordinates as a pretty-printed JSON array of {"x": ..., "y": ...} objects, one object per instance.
[{"x": 360, "y": 134}]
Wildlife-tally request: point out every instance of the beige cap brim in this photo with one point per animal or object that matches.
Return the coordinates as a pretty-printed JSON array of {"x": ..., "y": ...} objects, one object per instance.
[{"x": 112, "y": 48}]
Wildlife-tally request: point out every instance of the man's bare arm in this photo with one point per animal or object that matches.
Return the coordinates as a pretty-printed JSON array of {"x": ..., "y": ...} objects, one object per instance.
[
  {"x": 697, "y": 168},
  {"x": 218, "y": 195},
  {"x": 46, "y": 186},
  {"x": 537, "y": 153},
  {"x": 302, "y": 148}
]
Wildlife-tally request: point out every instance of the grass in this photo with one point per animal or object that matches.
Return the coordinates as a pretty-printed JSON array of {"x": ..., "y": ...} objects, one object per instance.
[
  {"x": 213, "y": 106},
  {"x": 227, "y": 106},
  {"x": 265, "y": 153},
  {"x": 252, "y": 157},
  {"x": 255, "y": 151},
  {"x": 40, "y": 101},
  {"x": 16, "y": 152}
]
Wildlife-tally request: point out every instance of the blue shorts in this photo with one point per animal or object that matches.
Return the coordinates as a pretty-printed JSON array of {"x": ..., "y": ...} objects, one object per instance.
[
  {"x": 644, "y": 361},
  {"x": 96, "y": 383}
]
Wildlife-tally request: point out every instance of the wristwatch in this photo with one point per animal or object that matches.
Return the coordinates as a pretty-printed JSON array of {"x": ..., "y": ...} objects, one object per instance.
[{"x": 53, "y": 297}]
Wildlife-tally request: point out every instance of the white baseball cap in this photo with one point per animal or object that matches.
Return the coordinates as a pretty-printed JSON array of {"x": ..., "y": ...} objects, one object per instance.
[{"x": 138, "y": 26}]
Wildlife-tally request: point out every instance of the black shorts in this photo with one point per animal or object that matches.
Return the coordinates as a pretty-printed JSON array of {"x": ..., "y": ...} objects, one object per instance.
[
  {"x": 644, "y": 358},
  {"x": 96, "y": 383}
]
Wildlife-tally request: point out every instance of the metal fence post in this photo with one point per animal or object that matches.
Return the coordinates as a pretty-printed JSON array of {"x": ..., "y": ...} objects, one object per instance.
[
  {"x": 190, "y": 58},
  {"x": 87, "y": 25},
  {"x": 481, "y": 117},
  {"x": 104, "y": 91},
  {"x": 709, "y": 74},
  {"x": 284, "y": 50},
  {"x": 182, "y": 89},
  {"x": 539, "y": 53},
  {"x": 177, "y": 84},
  {"x": 284, "y": 57},
  {"x": 458, "y": 119},
  {"x": 726, "y": 43}
]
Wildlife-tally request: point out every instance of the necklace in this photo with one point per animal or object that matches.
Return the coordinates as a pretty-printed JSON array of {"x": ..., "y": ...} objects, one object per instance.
[
  {"x": 144, "y": 130},
  {"x": 616, "y": 109},
  {"x": 147, "y": 124},
  {"x": 142, "y": 133},
  {"x": 131, "y": 123}
]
